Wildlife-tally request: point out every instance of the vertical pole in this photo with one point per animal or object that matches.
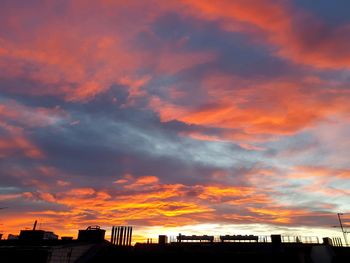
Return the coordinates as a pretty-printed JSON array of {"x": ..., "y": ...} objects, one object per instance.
[
  {"x": 342, "y": 229},
  {"x": 115, "y": 235},
  {"x": 130, "y": 236},
  {"x": 121, "y": 235},
  {"x": 125, "y": 235},
  {"x": 118, "y": 236},
  {"x": 112, "y": 234}
]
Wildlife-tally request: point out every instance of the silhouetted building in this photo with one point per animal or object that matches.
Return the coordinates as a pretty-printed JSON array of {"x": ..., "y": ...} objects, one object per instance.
[
  {"x": 31, "y": 235},
  {"x": 276, "y": 239},
  {"x": 91, "y": 247},
  {"x": 92, "y": 234},
  {"x": 327, "y": 241},
  {"x": 66, "y": 238},
  {"x": 162, "y": 239},
  {"x": 180, "y": 238},
  {"x": 239, "y": 238},
  {"x": 12, "y": 237},
  {"x": 37, "y": 235}
]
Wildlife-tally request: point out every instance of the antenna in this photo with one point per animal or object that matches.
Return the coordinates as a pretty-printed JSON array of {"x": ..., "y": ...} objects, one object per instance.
[
  {"x": 34, "y": 227},
  {"x": 342, "y": 228}
]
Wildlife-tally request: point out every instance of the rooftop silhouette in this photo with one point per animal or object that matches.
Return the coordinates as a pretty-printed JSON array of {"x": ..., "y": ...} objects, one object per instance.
[{"x": 91, "y": 246}]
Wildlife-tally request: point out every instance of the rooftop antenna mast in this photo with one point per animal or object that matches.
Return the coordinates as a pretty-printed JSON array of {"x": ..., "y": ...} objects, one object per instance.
[
  {"x": 34, "y": 226},
  {"x": 342, "y": 228}
]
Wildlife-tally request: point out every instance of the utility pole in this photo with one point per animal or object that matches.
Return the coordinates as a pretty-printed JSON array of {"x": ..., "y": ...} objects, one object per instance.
[{"x": 342, "y": 229}]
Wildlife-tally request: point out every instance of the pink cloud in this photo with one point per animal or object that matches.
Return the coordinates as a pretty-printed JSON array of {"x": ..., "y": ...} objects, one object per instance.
[{"x": 255, "y": 110}]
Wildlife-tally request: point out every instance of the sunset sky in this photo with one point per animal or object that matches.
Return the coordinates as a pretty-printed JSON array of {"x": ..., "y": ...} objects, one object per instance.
[{"x": 191, "y": 116}]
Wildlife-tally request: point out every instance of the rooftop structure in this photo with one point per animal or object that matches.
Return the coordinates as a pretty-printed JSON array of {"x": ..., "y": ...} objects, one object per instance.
[
  {"x": 92, "y": 247},
  {"x": 205, "y": 238},
  {"x": 92, "y": 234},
  {"x": 239, "y": 238}
]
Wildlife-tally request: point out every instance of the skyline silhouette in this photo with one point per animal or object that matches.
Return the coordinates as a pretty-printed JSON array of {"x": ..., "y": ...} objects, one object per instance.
[
  {"x": 91, "y": 246},
  {"x": 192, "y": 117}
]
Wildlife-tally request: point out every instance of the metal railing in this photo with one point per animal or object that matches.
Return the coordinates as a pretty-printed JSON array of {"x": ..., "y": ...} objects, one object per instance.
[{"x": 335, "y": 241}]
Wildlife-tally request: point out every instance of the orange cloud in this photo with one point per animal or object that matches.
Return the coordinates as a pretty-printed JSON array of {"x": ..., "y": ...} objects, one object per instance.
[
  {"x": 154, "y": 204},
  {"x": 129, "y": 182},
  {"x": 219, "y": 193},
  {"x": 79, "y": 61},
  {"x": 253, "y": 109},
  {"x": 279, "y": 214},
  {"x": 147, "y": 180}
]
